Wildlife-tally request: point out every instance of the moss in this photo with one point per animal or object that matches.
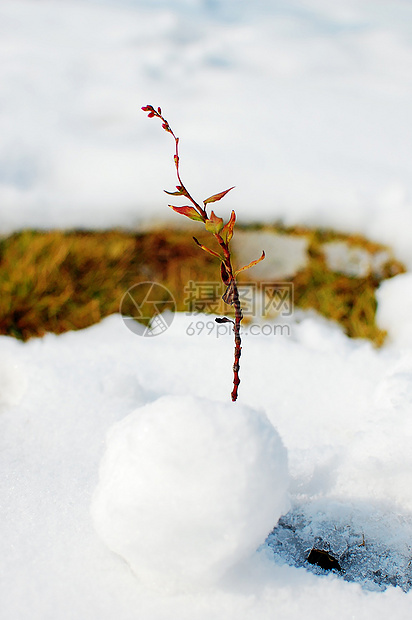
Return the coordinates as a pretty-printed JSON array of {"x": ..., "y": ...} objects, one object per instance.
[
  {"x": 58, "y": 281},
  {"x": 348, "y": 300}
]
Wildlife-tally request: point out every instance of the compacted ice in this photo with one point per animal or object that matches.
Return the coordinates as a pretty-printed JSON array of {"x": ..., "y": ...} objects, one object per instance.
[{"x": 188, "y": 487}]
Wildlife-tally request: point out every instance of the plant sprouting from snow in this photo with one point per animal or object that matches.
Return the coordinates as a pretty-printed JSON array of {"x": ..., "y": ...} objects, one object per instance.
[{"x": 223, "y": 234}]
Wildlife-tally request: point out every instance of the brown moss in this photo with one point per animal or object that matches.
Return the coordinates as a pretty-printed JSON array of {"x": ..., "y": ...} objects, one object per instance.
[
  {"x": 348, "y": 300},
  {"x": 58, "y": 281}
]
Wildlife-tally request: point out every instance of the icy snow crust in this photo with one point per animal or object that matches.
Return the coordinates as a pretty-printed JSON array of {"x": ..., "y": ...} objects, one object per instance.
[
  {"x": 188, "y": 487},
  {"x": 341, "y": 408}
]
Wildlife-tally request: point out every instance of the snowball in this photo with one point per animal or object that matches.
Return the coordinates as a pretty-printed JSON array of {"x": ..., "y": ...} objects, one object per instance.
[
  {"x": 394, "y": 312},
  {"x": 188, "y": 487}
]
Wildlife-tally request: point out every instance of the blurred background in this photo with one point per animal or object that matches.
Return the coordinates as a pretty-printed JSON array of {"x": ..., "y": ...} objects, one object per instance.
[{"x": 304, "y": 106}]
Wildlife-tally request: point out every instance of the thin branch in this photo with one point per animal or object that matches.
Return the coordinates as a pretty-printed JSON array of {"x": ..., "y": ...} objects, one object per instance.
[{"x": 215, "y": 226}]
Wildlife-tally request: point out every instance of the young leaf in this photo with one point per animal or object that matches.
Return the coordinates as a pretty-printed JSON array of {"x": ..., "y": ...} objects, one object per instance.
[
  {"x": 179, "y": 192},
  {"x": 224, "y": 274},
  {"x": 212, "y": 252},
  {"x": 214, "y": 224},
  {"x": 223, "y": 319},
  {"x": 216, "y": 197},
  {"x": 252, "y": 264},
  {"x": 189, "y": 212},
  {"x": 229, "y": 294},
  {"x": 227, "y": 230}
]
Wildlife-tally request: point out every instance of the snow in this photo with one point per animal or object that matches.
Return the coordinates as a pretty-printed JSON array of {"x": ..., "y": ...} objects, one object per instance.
[
  {"x": 12, "y": 382},
  {"x": 394, "y": 308},
  {"x": 354, "y": 261},
  {"x": 188, "y": 487},
  {"x": 305, "y": 106},
  {"x": 284, "y": 254},
  {"x": 340, "y": 407}
]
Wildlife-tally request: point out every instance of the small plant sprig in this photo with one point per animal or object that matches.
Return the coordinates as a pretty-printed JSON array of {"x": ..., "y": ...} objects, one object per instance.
[{"x": 223, "y": 234}]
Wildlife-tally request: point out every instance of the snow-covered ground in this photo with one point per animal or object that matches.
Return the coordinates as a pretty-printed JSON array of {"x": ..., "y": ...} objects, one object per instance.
[
  {"x": 305, "y": 106},
  {"x": 342, "y": 410}
]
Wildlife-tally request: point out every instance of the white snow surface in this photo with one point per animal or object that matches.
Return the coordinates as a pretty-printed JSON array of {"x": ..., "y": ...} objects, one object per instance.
[
  {"x": 303, "y": 105},
  {"x": 189, "y": 487},
  {"x": 341, "y": 408},
  {"x": 394, "y": 310}
]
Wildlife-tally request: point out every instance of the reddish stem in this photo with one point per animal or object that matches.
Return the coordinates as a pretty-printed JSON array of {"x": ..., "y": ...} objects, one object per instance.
[
  {"x": 168, "y": 129},
  {"x": 234, "y": 298},
  {"x": 238, "y": 314},
  {"x": 238, "y": 348}
]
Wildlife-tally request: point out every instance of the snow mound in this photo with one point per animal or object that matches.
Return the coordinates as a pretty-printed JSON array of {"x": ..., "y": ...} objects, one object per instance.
[
  {"x": 188, "y": 487},
  {"x": 394, "y": 312}
]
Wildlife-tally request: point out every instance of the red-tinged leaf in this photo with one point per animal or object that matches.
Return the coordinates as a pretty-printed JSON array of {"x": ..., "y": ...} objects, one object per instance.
[
  {"x": 178, "y": 193},
  {"x": 217, "y": 197},
  {"x": 212, "y": 252},
  {"x": 151, "y": 114},
  {"x": 214, "y": 224},
  {"x": 189, "y": 212},
  {"x": 159, "y": 110},
  {"x": 181, "y": 191},
  {"x": 252, "y": 264},
  {"x": 224, "y": 274},
  {"x": 147, "y": 108},
  {"x": 227, "y": 230}
]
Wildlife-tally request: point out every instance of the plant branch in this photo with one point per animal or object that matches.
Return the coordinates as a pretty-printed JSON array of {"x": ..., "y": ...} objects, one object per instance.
[
  {"x": 223, "y": 234},
  {"x": 158, "y": 113}
]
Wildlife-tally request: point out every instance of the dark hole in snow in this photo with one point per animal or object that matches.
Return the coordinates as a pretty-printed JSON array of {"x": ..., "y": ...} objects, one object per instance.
[
  {"x": 358, "y": 542},
  {"x": 323, "y": 559}
]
